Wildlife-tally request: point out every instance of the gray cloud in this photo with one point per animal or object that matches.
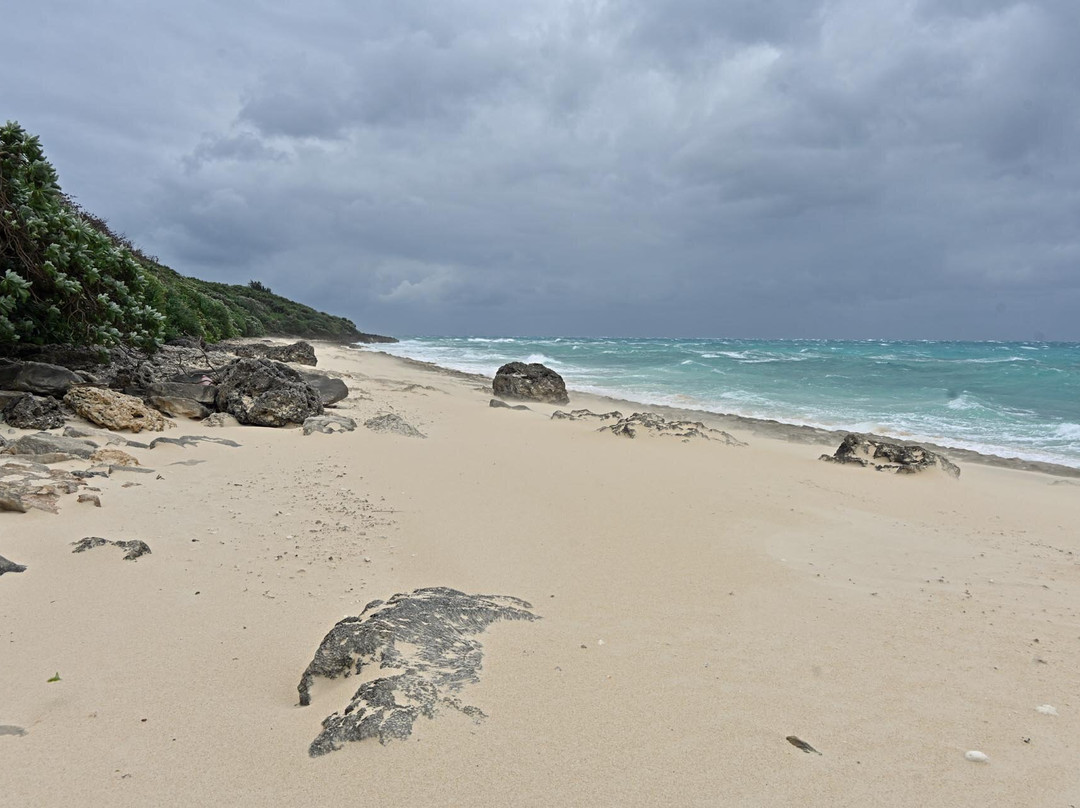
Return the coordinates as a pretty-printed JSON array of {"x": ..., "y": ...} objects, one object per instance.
[{"x": 847, "y": 168}]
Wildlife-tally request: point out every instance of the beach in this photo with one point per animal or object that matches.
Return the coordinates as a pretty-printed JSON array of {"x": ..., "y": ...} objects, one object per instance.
[{"x": 698, "y": 604}]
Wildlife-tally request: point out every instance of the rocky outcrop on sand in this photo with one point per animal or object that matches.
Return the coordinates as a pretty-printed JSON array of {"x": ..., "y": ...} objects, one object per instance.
[
  {"x": 27, "y": 485},
  {"x": 300, "y": 352},
  {"x": 28, "y": 411},
  {"x": 585, "y": 415},
  {"x": 133, "y": 549},
  {"x": 499, "y": 404},
  {"x": 114, "y": 410},
  {"x": 428, "y": 637},
  {"x": 395, "y": 424},
  {"x": 45, "y": 443},
  {"x": 39, "y": 378},
  {"x": 650, "y": 423},
  {"x": 266, "y": 393},
  {"x": 220, "y": 419},
  {"x": 532, "y": 382},
  {"x": 328, "y": 424},
  {"x": 179, "y": 407},
  {"x": 10, "y": 566},
  {"x": 881, "y": 455},
  {"x": 330, "y": 390}
]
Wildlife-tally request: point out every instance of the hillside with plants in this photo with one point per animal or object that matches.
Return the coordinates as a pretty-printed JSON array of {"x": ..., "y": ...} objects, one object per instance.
[{"x": 66, "y": 278}]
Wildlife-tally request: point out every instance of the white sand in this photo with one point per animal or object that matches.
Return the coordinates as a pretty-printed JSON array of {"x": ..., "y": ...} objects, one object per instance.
[{"x": 742, "y": 595}]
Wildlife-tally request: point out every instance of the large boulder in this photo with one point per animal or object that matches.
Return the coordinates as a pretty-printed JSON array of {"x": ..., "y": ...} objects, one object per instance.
[
  {"x": 898, "y": 458},
  {"x": 532, "y": 382},
  {"x": 299, "y": 352},
  {"x": 330, "y": 390},
  {"x": 34, "y": 412},
  {"x": 265, "y": 393},
  {"x": 203, "y": 393},
  {"x": 115, "y": 410},
  {"x": 37, "y": 377}
]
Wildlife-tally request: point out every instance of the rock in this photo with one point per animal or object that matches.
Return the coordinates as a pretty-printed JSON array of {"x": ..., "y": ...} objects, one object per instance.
[
  {"x": 496, "y": 403},
  {"x": 266, "y": 393},
  {"x": 8, "y": 397},
  {"x": 91, "y": 498},
  {"x": 37, "y": 377},
  {"x": 26, "y": 485},
  {"x": 299, "y": 352},
  {"x": 220, "y": 419},
  {"x": 393, "y": 423},
  {"x": 114, "y": 410},
  {"x": 43, "y": 443},
  {"x": 329, "y": 424},
  {"x": 114, "y": 457},
  {"x": 330, "y": 390},
  {"x": 10, "y": 566},
  {"x": 192, "y": 440},
  {"x": 179, "y": 407},
  {"x": 428, "y": 638},
  {"x": 132, "y": 549},
  {"x": 898, "y": 458},
  {"x": 533, "y": 382},
  {"x": 657, "y": 425},
  {"x": 586, "y": 415},
  {"x": 34, "y": 412},
  {"x": 205, "y": 394}
]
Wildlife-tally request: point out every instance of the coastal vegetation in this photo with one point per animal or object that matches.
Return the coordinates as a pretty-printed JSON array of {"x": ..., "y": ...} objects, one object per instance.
[{"x": 67, "y": 278}]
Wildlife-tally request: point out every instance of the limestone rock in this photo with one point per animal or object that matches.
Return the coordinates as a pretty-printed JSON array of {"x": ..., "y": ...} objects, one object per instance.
[
  {"x": 266, "y": 393},
  {"x": 393, "y": 423},
  {"x": 205, "y": 394},
  {"x": 220, "y": 419},
  {"x": 533, "y": 382},
  {"x": 427, "y": 638},
  {"x": 299, "y": 352},
  {"x": 10, "y": 566},
  {"x": 34, "y": 412},
  {"x": 179, "y": 407},
  {"x": 27, "y": 485},
  {"x": 93, "y": 499},
  {"x": 652, "y": 424},
  {"x": 499, "y": 404},
  {"x": 114, "y": 410},
  {"x": 329, "y": 424},
  {"x": 43, "y": 443},
  {"x": 37, "y": 377},
  {"x": 586, "y": 415},
  {"x": 330, "y": 390},
  {"x": 185, "y": 441},
  {"x": 898, "y": 458},
  {"x": 132, "y": 549},
  {"x": 114, "y": 457}
]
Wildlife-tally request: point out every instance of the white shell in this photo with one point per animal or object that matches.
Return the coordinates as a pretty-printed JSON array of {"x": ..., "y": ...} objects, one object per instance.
[
  {"x": 976, "y": 756},
  {"x": 1046, "y": 709}
]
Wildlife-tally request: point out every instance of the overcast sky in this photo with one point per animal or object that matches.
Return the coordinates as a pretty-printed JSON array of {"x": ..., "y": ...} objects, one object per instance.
[{"x": 739, "y": 168}]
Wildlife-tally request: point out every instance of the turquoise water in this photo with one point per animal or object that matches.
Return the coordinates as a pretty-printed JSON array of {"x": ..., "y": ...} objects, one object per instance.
[{"x": 1013, "y": 399}]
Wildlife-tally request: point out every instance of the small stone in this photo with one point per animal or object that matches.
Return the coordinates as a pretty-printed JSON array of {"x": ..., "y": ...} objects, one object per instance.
[
  {"x": 91, "y": 498},
  {"x": 975, "y": 756}
]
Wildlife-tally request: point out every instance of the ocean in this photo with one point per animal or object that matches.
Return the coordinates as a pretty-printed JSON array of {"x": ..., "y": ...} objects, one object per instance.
[{"x": 1011, "y": 399}]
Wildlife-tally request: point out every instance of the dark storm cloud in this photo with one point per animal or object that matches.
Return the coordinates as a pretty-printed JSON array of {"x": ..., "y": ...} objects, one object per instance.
[{"x": 779, "y": 167}]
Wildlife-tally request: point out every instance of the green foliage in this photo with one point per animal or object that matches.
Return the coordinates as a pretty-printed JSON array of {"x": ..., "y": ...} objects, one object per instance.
[
  {"x": 61, "y": 279},
  {"x": 66, "y": 278}
]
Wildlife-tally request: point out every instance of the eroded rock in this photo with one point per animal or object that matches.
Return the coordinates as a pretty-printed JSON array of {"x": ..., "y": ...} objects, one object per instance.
[
  {"x": 220, "y": 419},
  {"x": 114, "y": 457},
  {"x": 496, "y": 403},
  {"x": 34, "y": 412},
  {"x": 393, "y": 423},
  {"x": 328, "y": 424},
  {"x": 898, "y": 458},
  {"x": 266, "y": 393},
  {"x": 178, "y": 407},
  {"x": 299, "y": 352},
  {"x": 115, "y": 410},
  {"x": 44, "y": 443},
  {"x": 652, "y": 424},
  {"x": 10, "y": 566},
  {"x": 26, "y": 485},
  {"x": 532, "y": 382},
  {"x": 40, "y": 378},
  {"x": 428, "y": 637},
  {"x": 133, "y": 549},
  {"x": 585, "y": 415},
  {"x": 330, "y": 389}
]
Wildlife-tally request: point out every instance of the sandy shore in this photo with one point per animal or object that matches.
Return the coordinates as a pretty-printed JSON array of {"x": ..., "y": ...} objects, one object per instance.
[{"x": 699, "y": 604}]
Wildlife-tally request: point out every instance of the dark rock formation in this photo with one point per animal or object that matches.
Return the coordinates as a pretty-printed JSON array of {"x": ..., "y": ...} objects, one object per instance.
[
  {"x": 328, "y": 424},
  {"x": 10, "y": 566},
  {"x": 586, "y": 415},
  {"x": 37, "y": 377},
  {"x": 330, "y": 390},
  {"x": 192, "y": 440},
  {"x": 299, "y": 352},
  {"x": 393, "y": 423},
  {"x": 533, "y": 382},
  {"x": 205, "y": 394},
  {"x": 266, "y": 393},
  {"x": 41, "y": 443},
  {"x": 34, "y": 412},
  {"x": 427, "y": 637},
  {"x": 132, "y": 549},
  {"x": 178, "y": 407},
  {"x": 654, "y": 424},
  {"x": 497, "y": 404},
  {"x": 898, "y": 458}
]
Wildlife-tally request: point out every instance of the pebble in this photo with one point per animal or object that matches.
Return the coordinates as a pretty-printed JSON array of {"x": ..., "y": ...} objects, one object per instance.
[
  {"x": 976, "y": 756},
  {"x": 1046, "y": 709}
]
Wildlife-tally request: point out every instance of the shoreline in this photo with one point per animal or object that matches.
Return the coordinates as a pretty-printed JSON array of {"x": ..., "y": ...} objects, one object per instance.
[{"x": 769, "y": 428}]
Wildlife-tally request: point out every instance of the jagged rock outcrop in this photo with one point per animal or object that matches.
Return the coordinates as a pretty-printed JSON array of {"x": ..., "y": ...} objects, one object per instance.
[
  {"x": 532, "y": 382},
  {"x": 330, "y": 390},
  {"x": 652, "y": 424},
  {"x": 300, "y": 352},
  {"x": 10, "y": 566},
  {"x": 26, "y": 485},
  {"x": 133, "y": 549},
  {"x": 428, "y": 638},
  {"x": 328, "y": 424},
  {"x": 898, "y": 458},
  {"x": 586, "y": 415},
  {"x": 39, "y": 378},
  {"x": 393, "y": 423},
  {"x": 266, "y": 393},
  {"x": 34, "y": 412},
  {"x": 114, "y": 410}
]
